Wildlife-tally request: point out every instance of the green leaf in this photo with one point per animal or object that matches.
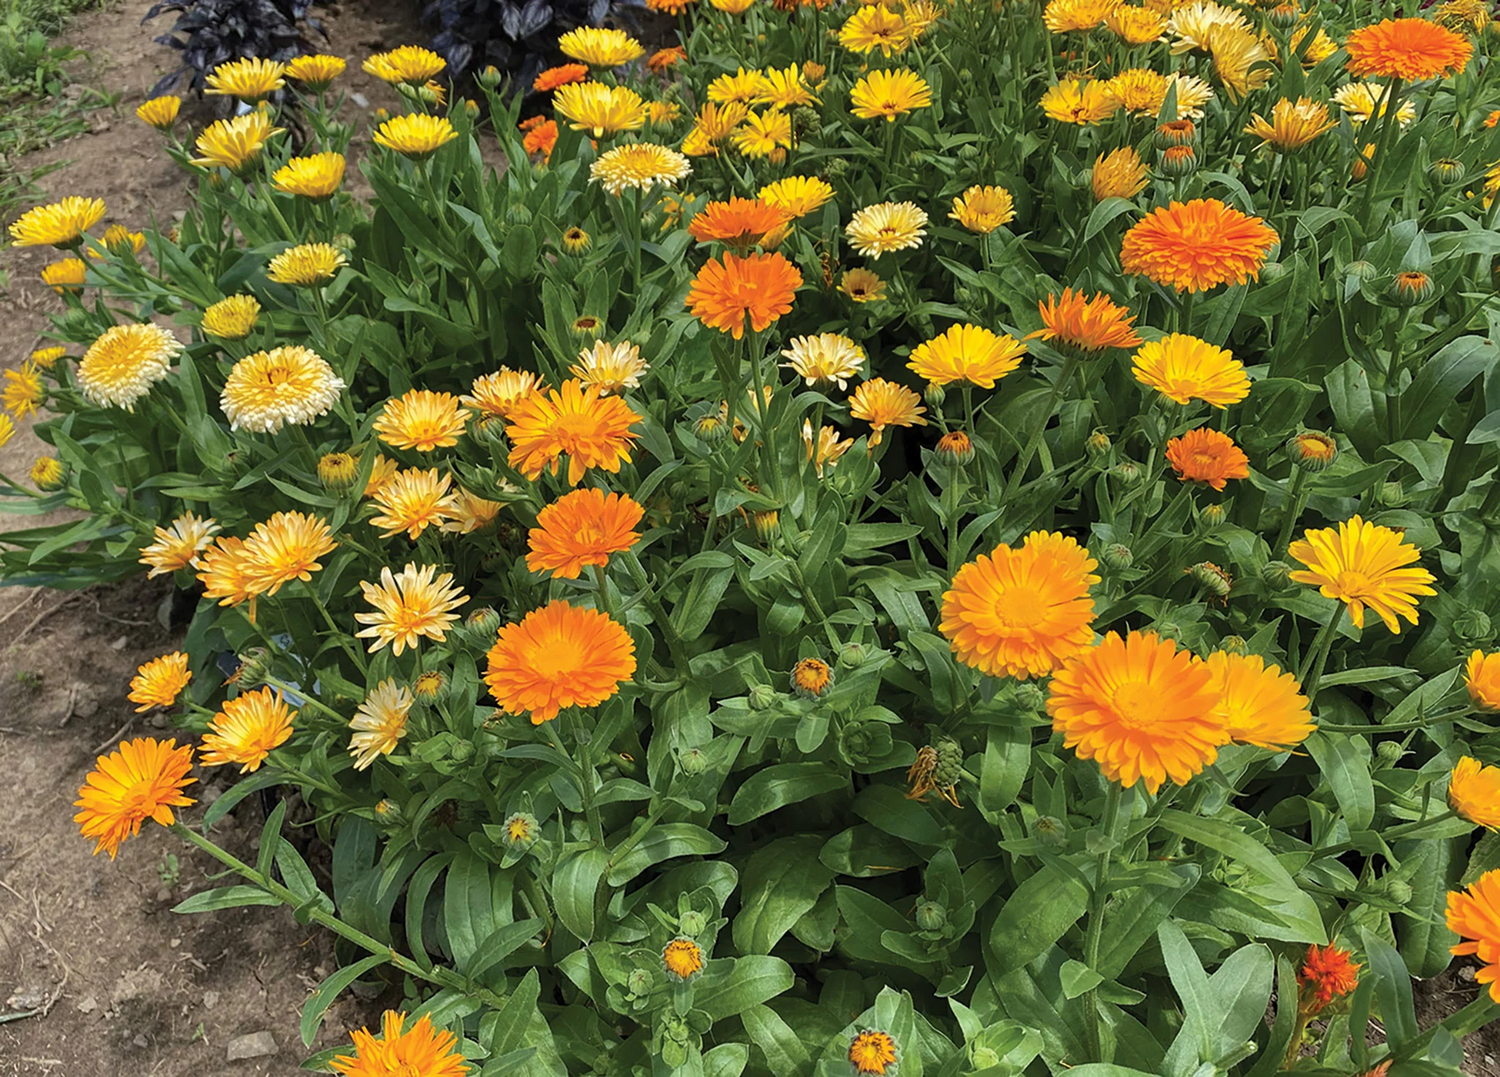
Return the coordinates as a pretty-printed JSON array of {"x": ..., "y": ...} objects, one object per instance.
[
  {"x": 1034, "y": 917},
  {"x": 468, "y": 905},
  {"x": 1392, "y": 989},
  {"x": 1348, "y": 774},
  {"x": 1077, "y": 978},
  {"x": 780, "y": 785},
  {"x": 785, "y": 1053},
  {"x": 319, "y": 1001},
  {"x": 500, "y": 944},
  {"x": 225, "y": 897},
  {"x": 1440, "y": 380},
  {"x": 782, "y": 881},
  {"x": 270, "y": 840},
  {"x": 663, "y": 842},
  {"x": 1422, "y": 934},
  {"x": 507, "y": 1030},
  {"x": 753, "y": 980},
  {"x": 1007, "y": 761},
  {"x": 726, "y": 1060},
  {"x": 574, "y": 884},
  {"x": 1132, "y": 922}
]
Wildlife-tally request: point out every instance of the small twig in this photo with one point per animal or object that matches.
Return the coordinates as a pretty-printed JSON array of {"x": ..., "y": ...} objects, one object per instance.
[
  {"x": 21, "y": 605},
  {"x": 113, "y": 738},
  {"x": 118, "y": 620},
  {"x": 72, "y": 705},
  {"x": 39, "y": 618}
]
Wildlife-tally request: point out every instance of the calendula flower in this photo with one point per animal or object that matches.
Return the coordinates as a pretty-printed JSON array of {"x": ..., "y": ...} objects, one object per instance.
[
  {"x": 1258, "y": 703},
  {"x": 235, "y": 143},
  {"x": 316, "y": 72},
  {"x": 118, "y": 241},
  {"x": 267, "y": 390},
  {"x": 862, "y": 285},
  {"x": 306, "y": 265},
  {"x": 558, "y": 656},
  {"x": 1191, "y": 26},
  {"x": 575, "y": 240},
  {"x": 317, "y": 177},
  {"x": 286, "y": 547},
  {"x": 49, "y": 474},
  {"x": 496, "y": 394},
  {"x": 249, "y": 79},
  {"x": 143, "y": 779},
  {"x": 1075, "y": 16},
  {"x": 1196, "y": 246},
  {"x": 984, "y": 209},
  {"x": 967, "y": 353},
  {"x": 1078, "y": 101},
  {"x": 1120, "y": 174},
  {"x": 540, "y": 140},
  {"x": 380, "y": 722},
  {"x": 337, "y": 471},
  {"x": 231, "y": 318},
  {"x": 1141, "y": 708},
  {"x": 797, "y": 195},
  {"x": 1408, "y": 49},
  {"x": 883, "y": 403},
  {"x": 1084, "y": 323},
  {"x": 412, "y": 501},
  {"x": 574, "y": 419},
  {"x": 1139, "y": 91},
  {"x": 764, "y": 134},
  {"x": 1473, "y": 915},
  {"x": 639, "y": 166},
  {"x": 759, "y": 286},
  {"x": 872, "y": 1052},
  {"x": 1293, "y": 124},
  {"x": 46, "y": 358},
  {"x": 784, "y": 89},
  {"x": 599, "y": 109},
  {"x": 247, "y": 729},
  {"x": 740, "y": 223},
  {"x": 159, "y": 682},
  {"x": 1183, "y": 368},
  {"x": 1327, "y": 973},
  {"x": 665, "y": 59},
  {"x": 1482, "y": 679},
  {"x": 1205, "y": 455},
  {"x": 1241, "y": 60},
  {"x": 732, "y": 7},
  {"x": 1135, "y": 25},
  {"x": 610, "y": 368},
  {"x": 825, "y": 359},
  {"x": 888, "y": 94},
  {"x": 23, "y": 391},
  {"x": 1192, "y": 94},
  {"x": 410, "y": 606},
  {"x": 582, "y": 528},
  {"x": 682, "y": 958},
  {"x": 178, "y": 546},
  {"x": 1363, "y": 564},
  {"x": 65, "y": 276},
  {"x": 886, "y": 227},
  {"x": 160, "y": 112},
  {"x": 415, "y": 134},
  {"x": 1465, "y": 16},
  {"x": 600, "y": 47},
  {"x": 824, "y": 451},
  {"x": 225, "y": 570},
  {"x": 422, "y": 420},
  {"x": 740, "y": 88},
  {"x": 7, "y": 429},
  {"x": 874, "y": 26},
  {"x": 1474, "y": 792},
  {"x": 471, "y": 513},
  {"x": 410, "y": 64},
  {"x": 1022, "y": 612},
  {"x": 1364, "y": 101},
  {"x": 383, "y": 472},
  {"x": 59, "y": 224},
  {"x": 663, "y": 113},
  {"x": 418, "y": 1051},
  {"x": 551, "y": 78},
  {"x": 121, "y": 366}
]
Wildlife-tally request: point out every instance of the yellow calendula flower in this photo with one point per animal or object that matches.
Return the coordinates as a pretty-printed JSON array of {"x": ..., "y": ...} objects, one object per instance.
[
  {"x": 610, "y": 368},
  {"x": 1135, "y": 25},
  {"x": 663, "y": 113},
  {"x": 599, "y": 109},
  {"x": 1191, "y": 26},
  {"x": 784, "y": 89},
  {"x": 231, "y": 318},
  {"x": 1241, "y": 61},
  {"x": 120, "y": 367},
  {"x": 49, "y": 474},
  {"x": 639, "y": 166},
  {"x": 823, "y": 452},
  {"x": 422, "y": 420},
  {"x": 315, "y": 72},
  {"x": 411, "y": 500},
  {"x": 798, "y": 195},
  {"x": 415, "y": 134},
  {"x": 1293, "y": 124},
  {"x": 862, "y": 285},
  {"x": 65, "y": 276},
  {"x": 1119, "y": 174},
  {"x": 159, "y": 682},
  {"x": 118, "y": 241},
  {"x": 414, "y": 605},
  {"x": 410, "y": 64},
  {"x": 247, "y": 729},
  {"x": 235, "y": 143},
  {"x": 1364, "y": 101},
  {"x": 267, "y": 390},
  {"x": 379, "y": 723},
  {"x": 1076, "y": 101},
  {"x": 732, "y": 7},
  {"x": 317, "y": 177},
  {"x": 249, "y": 79},
  {"x": 23, "y": 391},
  {"x": 883, "y": 403},
  {"x": 1474, "y": 792},
  {"x": 599, "y": 46},
  {"x": 874, "y": 26},
  {"x": 764, "y": 134},
  {"x": 46, "y": 358},
  {"x": 1139, "y": 91},
  {"x": 682, "y": 958},
  {"x": 967, "y": 353},
  {"x": 60, "y": 224},
  {"x": 160, "y": 112},
  {"x": 306, "y": 265},
  {"x": 180, "y": 545},
  {"x": 284, "y": 548},
  {"x": 1076, "y": 16},
  {"x": 1364, "y": 565},
  {"x": 1183, "y": 368},
  {"x": 984, "y": 209},
  {"x": 1482, "y": 680},
  {"x": 740, "y": 88},
  {"x": 887, "y": 94},
  {"x": 824, "y": 360}
]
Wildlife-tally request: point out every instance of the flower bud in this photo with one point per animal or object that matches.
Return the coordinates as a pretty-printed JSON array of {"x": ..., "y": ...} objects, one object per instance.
[
  {"x": 1390, "y": 750},
  {"x": 1361, "y": 166},
  {"x": 1176, "y": 133},
  {"x": 1211, "y": 517},
  {"x": 575, "y": 240},
  {"x": 482, "y": 625},
  {"x": 811, "y": 678},
  {"x": 522, "y": 830},
  {"x": 1127, "y": 471},
  {"x": 255, "y": 666},
  {"x": 1398, "y": 890},
  {"x": 954, "y": 449},
  {"x": 518, "y": 212},
  {"x": 1213, "y": 580},
  {"x": 388, "y": 813},
  {"x": 1234, "y": 645},
  {"x": 813, "y": 73},
  {"x": 1312, "y": 450},
  {"x": 471, "y": 107},
  {"x": 931, "y": 916},
  {"x": 968, "y": 152},
  {"x": 1276, "y": 575},
  {"x": 344, "y": 242},
  {"x": 711, "y": 428},
  {"x": 1168, "y": 630},
  {"x": 430, "y": 685},
  {"x": 1098, "y": 445},
  {"x": 1049, "y": 830},
  {"x": 763, "y": 697},
  {"x": 1028, "y": 697},
  {"x": 337, "y": 472},
  {"x": 1116, "y": 556},
  {"x": 1362, "y": 269},
  {"x": 463, "y": 751},
  {"x": 1392, "y": 495},
  {"x": 1410, "y": 288},
  {"x": 852, "y": 655},
  {"x": 1178, "y": 161},
  {"x": 693, "y": 762},
  {"x": 1473, "y": 626},
  {"x": 1448, "y": 171},
  {"x": 692, "y": 922},
  {"x": 489, "y": 78},
  {"x": 49, "y": 474},
  {"x": 638, "y": 983},
  {"x": 1285, "y": 16},
  {"x": 935, "y": 394},
  {"x": 767, "y": 524}
]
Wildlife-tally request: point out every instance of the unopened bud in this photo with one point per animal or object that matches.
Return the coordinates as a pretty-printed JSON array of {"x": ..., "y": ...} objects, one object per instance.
[
  {"x": 693, "y": 762},
  {"x": 1116, "y": 556},
  {"x": 1276, "y": 575},
  {"x": 1213, "y": 580},
  {"x": 852, "y": 655},
  {"x": 1234, "y": 645},
  {"x": 954, "y": 449},
  {"x": 1410, "y": 288},
  {"x": 931, "y": 916},
  {"x": 763, "y": 697},
  {"x": 692, "y": 922},
  {"x": 1098, "y": 445},
  {"x": 1178, "y": 161},
  {"x": 935, "y": 394},
  {"x": 1448, "y": 171}
]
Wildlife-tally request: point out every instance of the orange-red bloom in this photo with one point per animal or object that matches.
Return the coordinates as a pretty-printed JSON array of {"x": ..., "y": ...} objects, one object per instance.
[
  {"x": 540, "y": 139},
  {"x": 1205, "y": 455},
  {"x": 740, "y": 223},
  {"x": 1197, "y": 245},
  {"x": 593, "y": 430},
  {"x": 1089, "y": 324},
  {"x": 582, "y": 528},
  {"x": 1410, "y": 49},
  {"x": 1327, "y": 973},
  {"x": 553, "y": 77},
  {"x": 760, "y": 287}
]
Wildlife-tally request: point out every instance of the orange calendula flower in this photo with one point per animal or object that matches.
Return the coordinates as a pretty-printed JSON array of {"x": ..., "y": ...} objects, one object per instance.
[
  {"x": 421, "y": 419},
  {"x": 540, "y": 140},
  {"x": 1474, "y": 792},
  {"x": 740, "y": 223},
  {"x": 160, "y": 681},
  {"x": 1184, "y": 368},
  {"x": 225, "y": 570},
  {"x": 178, "y": 546},
  {"x": 143, "y": 779},
  {"x": 420, "y": 1051},
  {"x": 1142, "y": 709},
  {"x": 415, "y": 604},
  {"x": 811, "y": 678},
  {"x": 558, "y": 656},
  {"x": 286, "y": 547},
  {"x": 1086, "y": 324},
  {"x": 582, "y": 528},
  {"x": 1197, "y": 245},
  {"x": 1023, "y": 611},
  {"x": 247, "y": 729},
  {"x": 1474, "y": 915},
  {"x": 1363, "y": 564},
  {"x": 760, "y": 287},
  {"x": 1259, "y": 704},
  {"x": 967, "y": 353},
  {"x": 883, "y": 403},
  {"x": 1482, "y": 679},
  {"x": 663, "y": 59},
  {"x": 591, "y": 429},
  {"x": 1410, "y": 49},
  {"x": 1205, "y": 455},
  {"x": 1327, "y": 973},
  {"x": 682, "y": 958},
  {"x": 553, "y": 77},
  {"x": 872, "y": 1051}
]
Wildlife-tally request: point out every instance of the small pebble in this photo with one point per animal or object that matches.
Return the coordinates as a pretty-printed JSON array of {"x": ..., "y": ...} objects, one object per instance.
[{"x": 255, "y": 1045}]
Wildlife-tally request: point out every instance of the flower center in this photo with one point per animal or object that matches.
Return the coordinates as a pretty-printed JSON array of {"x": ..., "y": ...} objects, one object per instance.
[
  {"x": 1020, "y": 610},
  {"x": 1352, "y": 583},
  {"x": 1136, "y": 702}
]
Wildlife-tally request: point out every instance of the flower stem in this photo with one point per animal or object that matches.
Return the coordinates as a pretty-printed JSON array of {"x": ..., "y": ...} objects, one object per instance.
[
  {"x": 1095, "y": 930},
  {"x": 1319, "y": 657}
]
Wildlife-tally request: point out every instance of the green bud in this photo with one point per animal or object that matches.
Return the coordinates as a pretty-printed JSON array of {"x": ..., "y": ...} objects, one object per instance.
[
  {"x": 1277, "y": 575},
  {"x": 1127, "y": 471},
  {"x": 522, "y": 830},
  {"x": 861, "y": 742},
  {"x": 1211, "y": 517},
  {"x": 255, "y": 666},
  {"x": 1234, "y": 645},
  {"x": 950, "y": 763},
  {"x": 968, "y": 152},
  {"x": 344, "y": 242},
  {"x": 1028, "y": 697},
  {"x": 638, "y": 982},
  {"x": 1398, "y": 890},
  {"x": 692, "y": 922},
  {"x": 1213, "y": 580},
  {"x": 693, "y": 762},
  {"x": 1448, "y": 172},
  {"x": 463, "y": 751},
  {"x": 763, "y": 697},
  {"x": 489, "y": 78},
  {"x": 1049, "y": 830},
  {"x": 852, "y": 655},
  {"x": 1473, "y": 626},
  {"x": 931, "y": 916},
  {"x": 1410, "y": 288},
  {"x": 1117, "y": 556},
  {"x": 1098, "y": 445},
  {"x": 1392, "y": 495},
  {"x": 935, "y": 394},
  {"x": 1362, "y": 270},
  {"x": 388, "y": 813},
  {"x": 481, "y": 626},
  {"x": 1168, "y": 630},
  {"x": 1390, "y": 751}
]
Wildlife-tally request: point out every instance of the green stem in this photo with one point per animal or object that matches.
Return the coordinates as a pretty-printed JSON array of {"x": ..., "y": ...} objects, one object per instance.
[
  {"x": 1388, "y": 122},
  {"x": 1044, "y": 415},
  {"x": 1395, "y": 833},
  {"x": 590, "y": 775},
  {"x": 1319, "y": 657},
  {"x": 1095, "y": 930},
  {"x": 1296, "y": 500}
]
